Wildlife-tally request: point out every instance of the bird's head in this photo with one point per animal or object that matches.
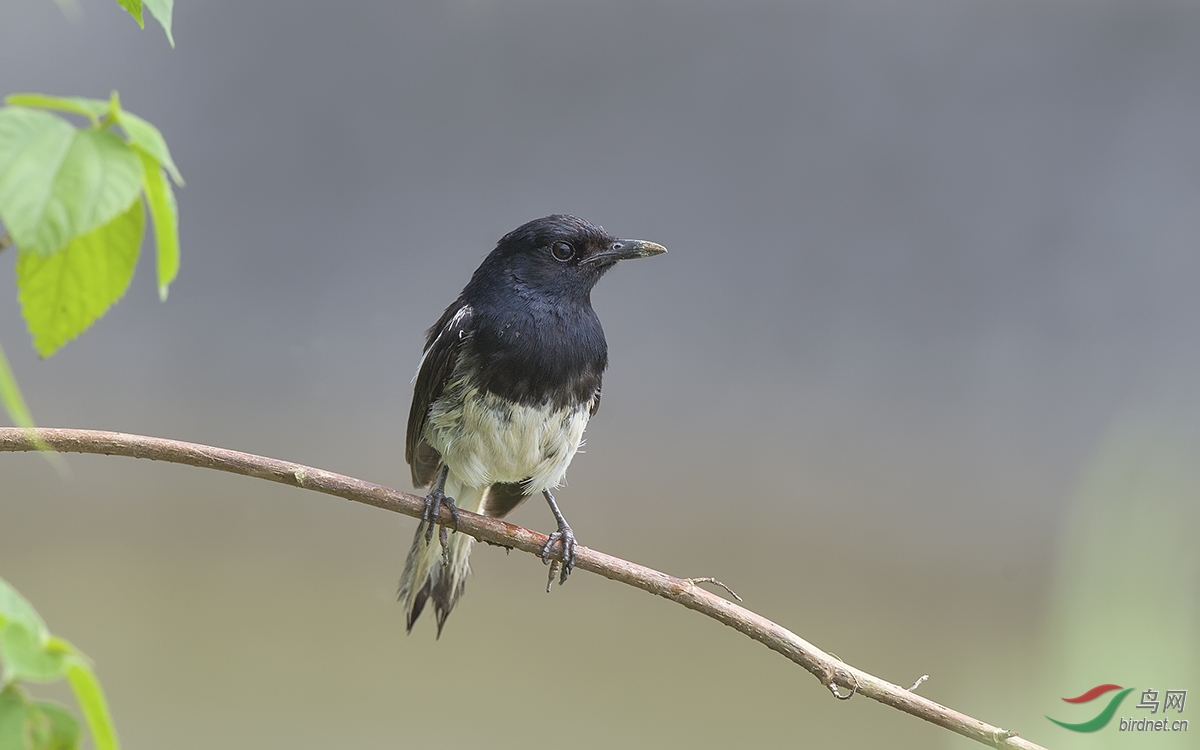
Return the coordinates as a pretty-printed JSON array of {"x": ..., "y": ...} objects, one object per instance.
[{"x": 560, "y": 256}]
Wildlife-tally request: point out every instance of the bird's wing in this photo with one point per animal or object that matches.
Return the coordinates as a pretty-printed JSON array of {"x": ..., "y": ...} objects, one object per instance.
[
  {"x": 595, "y": 401},
  {"x": 443, "y": 343}
]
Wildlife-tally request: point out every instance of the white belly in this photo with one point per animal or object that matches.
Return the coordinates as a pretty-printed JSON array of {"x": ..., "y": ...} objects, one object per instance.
[{"x": 485, "y": 440}]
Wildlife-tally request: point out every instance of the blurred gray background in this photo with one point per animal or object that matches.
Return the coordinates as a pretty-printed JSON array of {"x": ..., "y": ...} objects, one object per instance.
[{"x": 917, "y": 378}]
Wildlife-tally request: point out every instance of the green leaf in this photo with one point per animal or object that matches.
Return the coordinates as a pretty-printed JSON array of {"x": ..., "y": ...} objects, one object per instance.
[
  {"x": 147, "y": 138},
  {"x": 26, "y": 657},
  {"x": 30, "y": 652},
  {"x": 28, "y": 141},
  {"x": 12, "y": 718},
  {"x": 93, "y": 109},
  {"x": 52, "y": 726},
  {"x": 165, "y": 213},
  {"x": 161, "y": 10},
  {"x": 141, "y": 133},
  {"x": 91, "y": 700},
  {"x": 15, "y": 608},
  {"x": 58, "y": 183},
  {"x": 11, "y": 398},
  {"x": 135, "y": 9},
  {"x": 62, "y": 294}
]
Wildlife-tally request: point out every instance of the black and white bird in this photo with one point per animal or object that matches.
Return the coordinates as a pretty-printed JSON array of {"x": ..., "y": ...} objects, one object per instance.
[{"x": 508, "y": 381}]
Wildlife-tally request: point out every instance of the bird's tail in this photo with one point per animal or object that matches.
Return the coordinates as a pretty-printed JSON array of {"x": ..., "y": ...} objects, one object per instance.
[{"x": 432, "y": 574}]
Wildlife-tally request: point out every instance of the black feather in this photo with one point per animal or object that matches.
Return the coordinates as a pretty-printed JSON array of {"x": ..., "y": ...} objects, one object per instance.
[
  {"x": 503, "y": 498},
  {"x": 523, "y": 333},
  {"x": 443, "y": 343},
  {"x": 419, "y": 605}
]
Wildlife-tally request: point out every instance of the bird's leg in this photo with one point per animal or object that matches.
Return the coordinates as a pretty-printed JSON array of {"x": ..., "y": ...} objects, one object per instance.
[
  {"x": 433, "y": 506},
  {"x": 563, "y": 535}
]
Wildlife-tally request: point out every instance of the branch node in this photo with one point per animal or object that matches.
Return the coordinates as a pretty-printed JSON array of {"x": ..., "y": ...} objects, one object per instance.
[
  {"x": 917, "y": 684},
  {"x": 831, "y": 682},
  {"x": 833, "y": 686},
  {"x": 715, "y": 582},
  {"x": 1002, "y": 736}
]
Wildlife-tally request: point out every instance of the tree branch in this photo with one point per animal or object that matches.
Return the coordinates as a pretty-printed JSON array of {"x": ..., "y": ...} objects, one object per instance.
[{"x": 832, "y": 672}]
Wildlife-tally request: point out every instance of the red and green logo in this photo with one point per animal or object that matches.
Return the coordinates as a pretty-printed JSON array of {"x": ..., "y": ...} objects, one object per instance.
[{"x": 1102, "y": 718}]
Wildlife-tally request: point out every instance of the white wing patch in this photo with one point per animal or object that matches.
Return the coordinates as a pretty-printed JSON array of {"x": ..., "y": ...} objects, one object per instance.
[
  {"x": 455, "y": 322},
  {"x": 463, "y": 312}
]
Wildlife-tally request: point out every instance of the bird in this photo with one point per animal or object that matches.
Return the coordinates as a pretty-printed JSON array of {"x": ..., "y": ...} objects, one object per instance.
[{"x": 509, "y": 377}]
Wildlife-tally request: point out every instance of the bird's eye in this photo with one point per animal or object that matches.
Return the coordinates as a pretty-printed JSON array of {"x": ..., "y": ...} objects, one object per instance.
[{"x": 562, "y": 251}]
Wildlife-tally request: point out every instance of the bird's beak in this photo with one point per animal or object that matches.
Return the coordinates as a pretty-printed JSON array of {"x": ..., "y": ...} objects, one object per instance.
[{"x": 624, "y": 250}]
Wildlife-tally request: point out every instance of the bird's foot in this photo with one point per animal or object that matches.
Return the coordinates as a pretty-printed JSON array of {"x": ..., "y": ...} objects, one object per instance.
[
  {"x": 429, "y": 518},
  {"x": 565, "y": 538}
]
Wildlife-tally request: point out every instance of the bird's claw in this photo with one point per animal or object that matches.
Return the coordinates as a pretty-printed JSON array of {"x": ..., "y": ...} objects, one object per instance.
[
  {"x": 429, "y": 517},
  {"x": 566, "y": 539}
]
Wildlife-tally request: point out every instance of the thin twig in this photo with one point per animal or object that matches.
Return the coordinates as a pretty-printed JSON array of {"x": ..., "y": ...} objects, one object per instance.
[
  {"x": 830, "y": 671},
  {"x": 715, "y": 582}
]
